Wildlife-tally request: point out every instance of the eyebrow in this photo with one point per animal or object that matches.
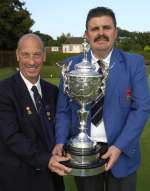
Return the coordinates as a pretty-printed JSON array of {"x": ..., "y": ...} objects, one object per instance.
[
  {"x": 26, "y": 51},
  {"x": 103, "y": 26}
]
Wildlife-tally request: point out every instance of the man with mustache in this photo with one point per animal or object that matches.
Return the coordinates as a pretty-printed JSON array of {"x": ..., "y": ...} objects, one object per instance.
[
  {"x": 125, "y": 109},
  {"x": 27, "y": 119}
]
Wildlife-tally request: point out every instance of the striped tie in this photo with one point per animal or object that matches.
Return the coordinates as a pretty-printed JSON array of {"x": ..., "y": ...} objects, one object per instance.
[
  {"x": 43, "y": 118},
  {"x": 97, "y": 106},
  {"x": 37, "y": 98}
]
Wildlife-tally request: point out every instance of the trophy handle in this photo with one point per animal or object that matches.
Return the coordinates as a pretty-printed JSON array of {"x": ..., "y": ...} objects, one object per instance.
[{"x": 65, "y": 71}]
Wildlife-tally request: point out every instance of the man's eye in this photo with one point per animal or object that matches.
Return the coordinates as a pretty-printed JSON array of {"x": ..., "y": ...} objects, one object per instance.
[
  {"x": 28, "y": 55},
  {"x": 37, "y": 55},
  {"x": 107, "y": 27},
  {"x": 25, "y": 55},
  {"x": 94, "y": 29}
]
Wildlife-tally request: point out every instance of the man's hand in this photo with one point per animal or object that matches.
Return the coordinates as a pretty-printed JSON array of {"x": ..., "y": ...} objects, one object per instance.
[
  {"x": 112, "y": 155},
  {"x": 58, "y": 150},
  {"x": 57, "y": 167}
]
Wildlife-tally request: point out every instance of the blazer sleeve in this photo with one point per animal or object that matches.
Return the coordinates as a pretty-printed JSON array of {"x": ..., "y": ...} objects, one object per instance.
[{"x": 63, "y": 116}]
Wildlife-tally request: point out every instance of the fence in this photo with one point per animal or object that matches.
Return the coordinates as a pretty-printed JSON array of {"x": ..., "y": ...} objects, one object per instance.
[{"x": 8, "y": 58}]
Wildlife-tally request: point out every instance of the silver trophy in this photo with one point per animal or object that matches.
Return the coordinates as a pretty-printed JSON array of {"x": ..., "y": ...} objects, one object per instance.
[{"x": 84, "y": 85}]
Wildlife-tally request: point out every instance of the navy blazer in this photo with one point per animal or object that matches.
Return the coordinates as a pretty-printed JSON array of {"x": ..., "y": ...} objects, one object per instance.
[
  {"x": 23, "y": 147},
  {"x": 125, "y": 112}
]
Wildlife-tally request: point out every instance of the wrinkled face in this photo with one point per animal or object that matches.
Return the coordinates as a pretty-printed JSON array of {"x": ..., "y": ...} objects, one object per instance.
[
  {"x": 30, "y": 56},
  {"x": 101, "y": 34}
]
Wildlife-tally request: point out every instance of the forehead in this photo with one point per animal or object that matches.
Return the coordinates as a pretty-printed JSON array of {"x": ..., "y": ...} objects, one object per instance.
[
  {"x": 30, "y": 44},
  {"x": 102, "y": 21}
]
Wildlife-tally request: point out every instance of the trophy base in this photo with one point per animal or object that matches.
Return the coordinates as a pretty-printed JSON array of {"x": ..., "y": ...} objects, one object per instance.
[
  {"x": 84, "y": 162},
  {"x": 92, "y": 169}
]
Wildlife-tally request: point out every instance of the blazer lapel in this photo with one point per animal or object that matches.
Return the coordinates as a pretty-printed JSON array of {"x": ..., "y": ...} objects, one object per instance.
[
  {"x": 114, "y": 73},
  {"x": 27, "y": 104},
  {"x": 47, "y": 99},
  {"x": 23, "y": 94}
]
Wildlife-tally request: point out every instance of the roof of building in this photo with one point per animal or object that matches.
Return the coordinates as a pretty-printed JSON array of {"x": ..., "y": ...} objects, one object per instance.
[{"x": 74, "y": 40}]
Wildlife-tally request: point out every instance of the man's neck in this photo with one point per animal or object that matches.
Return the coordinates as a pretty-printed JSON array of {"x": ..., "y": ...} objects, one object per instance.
[{"x": 101, "y": 54}]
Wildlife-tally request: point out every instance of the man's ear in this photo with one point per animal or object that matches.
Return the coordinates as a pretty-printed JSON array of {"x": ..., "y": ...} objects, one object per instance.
[
  {"x": 116, "y": 35},
  {"x": 44, "y": 55},
  {"x": 17, "y": 54},
  {"x": 86, "y": 35}
]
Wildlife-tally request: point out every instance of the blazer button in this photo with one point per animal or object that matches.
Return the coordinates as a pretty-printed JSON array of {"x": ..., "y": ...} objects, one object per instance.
[
  {"x": 37, "y": 170},
  {"x": 133, "y": 151}
]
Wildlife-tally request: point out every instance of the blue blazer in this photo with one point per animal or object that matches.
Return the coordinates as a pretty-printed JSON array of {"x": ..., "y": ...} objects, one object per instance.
[{"x": 125, "y": 112}]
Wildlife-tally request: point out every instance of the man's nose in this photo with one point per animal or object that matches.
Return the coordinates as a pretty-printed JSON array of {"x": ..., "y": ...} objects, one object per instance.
[
  {"x": 31, "y": 59},
  {"x": 101, "y": 30}
]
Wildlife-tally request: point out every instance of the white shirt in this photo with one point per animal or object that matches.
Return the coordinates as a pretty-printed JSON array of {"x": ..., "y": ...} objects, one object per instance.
[
  {"x": 98, "y": 133},
  {"x": 29, "y": 86}
]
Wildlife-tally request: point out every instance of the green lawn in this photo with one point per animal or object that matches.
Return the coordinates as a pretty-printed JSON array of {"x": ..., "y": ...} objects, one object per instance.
[
  {"x": 144, "y": 171},
  {"x": 143, "y": 183}
]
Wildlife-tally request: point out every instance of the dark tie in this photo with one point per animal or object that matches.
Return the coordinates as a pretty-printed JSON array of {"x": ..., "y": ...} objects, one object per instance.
[
  {"x": 42, "y": 114},
  {"x": 97, "y": 106},
  {"x": 37, "y": 98}
]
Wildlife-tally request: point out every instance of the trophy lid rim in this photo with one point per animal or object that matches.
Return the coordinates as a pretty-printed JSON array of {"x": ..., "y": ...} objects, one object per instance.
[{"x": 83, "y": 74}]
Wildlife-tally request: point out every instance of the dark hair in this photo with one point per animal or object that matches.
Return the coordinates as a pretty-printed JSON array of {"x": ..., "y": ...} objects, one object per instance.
[{"x": 100, "y": 11}]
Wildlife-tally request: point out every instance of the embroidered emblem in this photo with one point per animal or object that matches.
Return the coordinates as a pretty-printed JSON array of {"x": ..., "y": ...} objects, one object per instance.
[
  {"x": 129, "y": 94},
  {"x": 29, "y": 112},
  {"x": 48, "y": 115}
]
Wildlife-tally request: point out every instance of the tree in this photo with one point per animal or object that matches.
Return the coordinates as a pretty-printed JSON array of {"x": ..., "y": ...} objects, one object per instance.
[
  {"x": 15, "y": 21},
  {"x": 123, "y": 33},
  {"x": 63, "y": 37},
  {"x": 130, "y": 41},
  {"x": 47, "y": 39}
]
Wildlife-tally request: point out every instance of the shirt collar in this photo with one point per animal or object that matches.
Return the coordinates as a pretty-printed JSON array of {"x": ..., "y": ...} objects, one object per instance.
[
  {"x": 29, "y": 84},
  {"x": 106, "y": 59}
]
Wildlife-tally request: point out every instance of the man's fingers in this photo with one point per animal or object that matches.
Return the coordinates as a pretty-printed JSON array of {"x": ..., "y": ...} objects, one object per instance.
[
  {"x": 112, "y": 154},
  {"x": 60, "y": 172},
  {"x": 109, "y": 164},
  {"x": 55, "y": 165},
  {"x": 58, "y": 150},
  {"x": 106, "y": 155}
]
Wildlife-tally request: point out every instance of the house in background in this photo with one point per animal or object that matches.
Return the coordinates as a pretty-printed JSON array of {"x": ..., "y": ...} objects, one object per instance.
[
  {"x": 53, "y": 49},
  {"x": 72, "y": 45}
]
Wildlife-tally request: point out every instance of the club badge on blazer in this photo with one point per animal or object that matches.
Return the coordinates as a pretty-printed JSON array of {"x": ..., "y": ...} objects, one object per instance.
[
  {"x": 28, "y": 110},
  {"x": 48, "y": 113},
  {"x": 129, "y": 94}
]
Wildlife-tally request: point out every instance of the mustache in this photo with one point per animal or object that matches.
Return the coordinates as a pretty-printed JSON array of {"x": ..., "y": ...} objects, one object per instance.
[{"x": 101, "y": 37}]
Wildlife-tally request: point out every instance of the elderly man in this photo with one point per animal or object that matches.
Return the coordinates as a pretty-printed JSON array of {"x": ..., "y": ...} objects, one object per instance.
[{"x": 27, "y": 118}]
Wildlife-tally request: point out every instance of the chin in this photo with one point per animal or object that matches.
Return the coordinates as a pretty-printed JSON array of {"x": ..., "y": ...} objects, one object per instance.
[
  {"x": 33, "y": 73},
  {"x": 33, "y": 76}
]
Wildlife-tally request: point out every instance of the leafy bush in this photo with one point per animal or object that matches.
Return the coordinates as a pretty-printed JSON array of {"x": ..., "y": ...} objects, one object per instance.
[
  {"x": 147, "y": 48},
  {"x": 53, "y": 57},
  {"x": 51, "y": 72}
]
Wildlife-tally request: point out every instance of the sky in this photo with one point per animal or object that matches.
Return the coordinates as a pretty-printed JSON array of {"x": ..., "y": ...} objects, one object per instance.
[{"x": 54, "y": 17}]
